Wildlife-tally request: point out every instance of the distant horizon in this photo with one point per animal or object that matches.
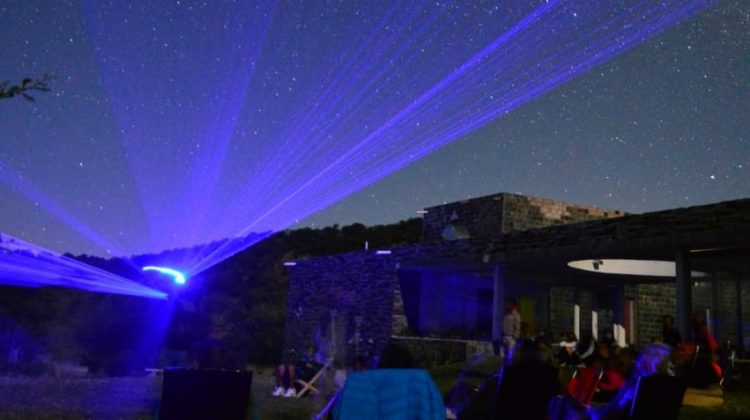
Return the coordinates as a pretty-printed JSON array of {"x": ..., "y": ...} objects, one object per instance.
[{"x": 415, "y": 217}]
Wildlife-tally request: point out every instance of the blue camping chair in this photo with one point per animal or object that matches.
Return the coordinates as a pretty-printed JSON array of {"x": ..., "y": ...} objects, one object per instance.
[{"x": 391, "y": 394}]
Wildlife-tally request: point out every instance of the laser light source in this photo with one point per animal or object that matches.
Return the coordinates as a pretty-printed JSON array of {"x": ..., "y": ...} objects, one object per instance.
[{"x": 177, "y": 276}]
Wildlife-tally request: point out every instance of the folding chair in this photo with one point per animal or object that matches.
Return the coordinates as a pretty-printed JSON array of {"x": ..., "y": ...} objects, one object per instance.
[
  {"x": 582, "y": 385},
  {"x": 728, "y": 367},
  {"x": 309, "y": 385},
  {"x": 658, "y": 397},
  {"x": 390, "y": 394}
]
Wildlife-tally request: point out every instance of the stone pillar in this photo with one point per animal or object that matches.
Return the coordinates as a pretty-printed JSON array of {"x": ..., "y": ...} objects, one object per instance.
[
  {"x": 683, "y": 293},
  {"x": 498, "y": 303}
]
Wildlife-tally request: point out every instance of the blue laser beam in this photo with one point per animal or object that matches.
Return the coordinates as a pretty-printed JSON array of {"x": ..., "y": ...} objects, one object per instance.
[
  {"x": 28, "y": 265},
  {"x": 270, "y": 136},
  {"x": 177, "y": 276},
  {"x": 522, "y": 64}
]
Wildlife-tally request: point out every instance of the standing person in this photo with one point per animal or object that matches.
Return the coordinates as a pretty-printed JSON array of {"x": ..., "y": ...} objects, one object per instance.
[
  {"x": 702, "y": 335},
  {"x": 706, "y": 370},
  {"x": 669, "y": 332},
  {"x": 511, "y": 329}
]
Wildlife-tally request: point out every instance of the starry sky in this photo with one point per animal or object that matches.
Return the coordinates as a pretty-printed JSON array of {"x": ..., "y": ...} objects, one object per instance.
[{"x": 176, "y": 123}]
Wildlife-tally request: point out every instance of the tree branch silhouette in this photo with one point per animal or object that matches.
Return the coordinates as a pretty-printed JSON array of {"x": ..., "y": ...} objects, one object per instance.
[{"x": 23, "y": 89}]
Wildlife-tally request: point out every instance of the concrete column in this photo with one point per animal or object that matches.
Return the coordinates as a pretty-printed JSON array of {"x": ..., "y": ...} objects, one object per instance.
[
  {"x": 498, "y": 303},
  {"x": 683, "y": 295}
]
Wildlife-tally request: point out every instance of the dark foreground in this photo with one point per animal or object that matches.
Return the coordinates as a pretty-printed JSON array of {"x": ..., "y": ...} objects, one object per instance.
[{"x": 138, "y": 398}]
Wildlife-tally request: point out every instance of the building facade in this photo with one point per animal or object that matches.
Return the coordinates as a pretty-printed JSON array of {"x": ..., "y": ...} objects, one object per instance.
[{"x": 571, "y": 268}]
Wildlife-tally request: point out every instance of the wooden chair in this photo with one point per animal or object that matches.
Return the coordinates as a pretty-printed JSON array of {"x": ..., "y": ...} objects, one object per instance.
[
  {"x": 309, "y": 385},
  {"x": 658, "y": 397}
]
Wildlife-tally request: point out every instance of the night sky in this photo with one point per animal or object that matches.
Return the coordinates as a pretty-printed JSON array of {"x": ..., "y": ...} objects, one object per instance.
[{"x": 171, "y": 124}]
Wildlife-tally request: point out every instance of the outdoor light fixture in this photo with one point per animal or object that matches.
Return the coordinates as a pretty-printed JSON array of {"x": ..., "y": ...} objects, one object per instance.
[
  {"x": 177, "y": 277},
  {"x": 653, "y": 268},
  {"x": 290, "y": 264},
  {"x": 383, "y": 252}
]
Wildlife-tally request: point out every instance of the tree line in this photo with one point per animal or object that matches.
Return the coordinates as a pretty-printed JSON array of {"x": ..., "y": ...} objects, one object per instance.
[{"x": 242, "y": 299}]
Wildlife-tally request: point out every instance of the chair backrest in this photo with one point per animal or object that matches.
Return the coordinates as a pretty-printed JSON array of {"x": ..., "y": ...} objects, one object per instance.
[
  {"x": 565, "y": 374},
  {"x": 205, "y": 393},
  {"x": 728, "y": 367},
  {"x": 582, "y": 386},
  {"x": 658, "y": 397},
  {"x": 525, "y": 392},
  {"x": 390, "y": 394},
  {"x": 695, "y": 355}
]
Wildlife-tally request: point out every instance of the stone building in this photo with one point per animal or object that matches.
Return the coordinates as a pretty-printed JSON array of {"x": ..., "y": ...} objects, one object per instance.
[{"x": 571, "y": 268}]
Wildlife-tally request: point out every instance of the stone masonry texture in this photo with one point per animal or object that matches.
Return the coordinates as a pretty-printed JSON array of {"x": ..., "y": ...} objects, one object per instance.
[{"x": 351, "y": 304}]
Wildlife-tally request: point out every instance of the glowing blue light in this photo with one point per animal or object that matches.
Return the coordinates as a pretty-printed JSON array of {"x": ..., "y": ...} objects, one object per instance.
[
  {"x": 389, "y": 90},
  {"x": 178, "y": 277},
  {"x": 27, "y": 265}
]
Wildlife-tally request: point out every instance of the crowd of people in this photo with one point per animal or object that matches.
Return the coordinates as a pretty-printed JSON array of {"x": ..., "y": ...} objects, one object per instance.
[
  {"x": 535, "y": 383},
  {"x": 570, "y": 378}
]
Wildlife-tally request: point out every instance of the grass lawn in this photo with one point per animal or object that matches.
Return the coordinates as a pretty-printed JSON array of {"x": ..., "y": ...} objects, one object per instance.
[
  {"x": 736, "y": 404},
  {"x": 138, "y": 398},
  {"x": 125, "y": 398}
]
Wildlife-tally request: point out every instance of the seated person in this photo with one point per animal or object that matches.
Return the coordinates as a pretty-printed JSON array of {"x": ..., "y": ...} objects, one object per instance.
[
  {"x": 653, "y": 360},
  {"x": 396, "y": 389},
  {"x": 697, "y": 365},
  {"x": 568, "y": 356},
  {"x": 613, "y": 373},
  {"x": 285, "y": 375},
  {"x": 525, "y": 390},
  {"x": 544, "y": 352},
  {"x": 308, "y": 366},
  {"x": 527, "y": 385},
  {"x": 294, "y": 368},
  {"x": 670, "y": 335}
]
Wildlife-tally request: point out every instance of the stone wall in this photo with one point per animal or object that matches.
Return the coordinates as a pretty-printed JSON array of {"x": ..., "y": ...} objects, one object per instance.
[
  {"x": 726, "y": 325},
  {"x": 560, "y": 310},
  {"x": 494, "y": 215},
  {"x": 357, "y": 296},
  {"x": 334, "y": 295},
  {"x": 482, "y": 217},
  {"x": 431, "y": 352},
  {"x": 524, "y": 213},
  {"x": 652, "y": 302},
  {"x": 561, "y": 318},
  {"x": 342, "y": 304}
]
